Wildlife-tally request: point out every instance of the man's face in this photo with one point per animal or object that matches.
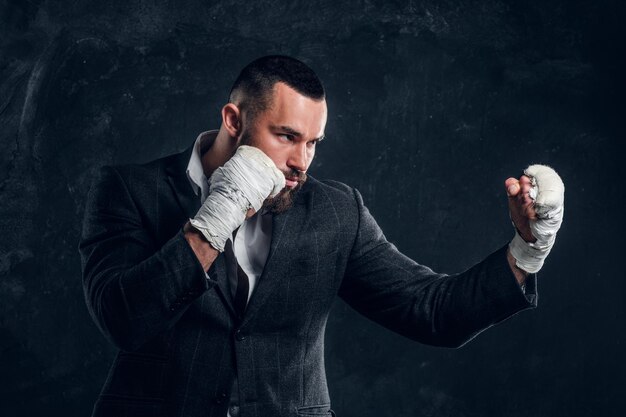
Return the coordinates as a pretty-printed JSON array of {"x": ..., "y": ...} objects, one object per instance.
[{"x": 287, "y": 132}]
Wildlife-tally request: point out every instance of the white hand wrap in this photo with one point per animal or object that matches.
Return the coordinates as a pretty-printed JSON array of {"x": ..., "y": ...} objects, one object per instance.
[
  {"x": 244, "y": 182},
  {"x": 548, "y": 193}
]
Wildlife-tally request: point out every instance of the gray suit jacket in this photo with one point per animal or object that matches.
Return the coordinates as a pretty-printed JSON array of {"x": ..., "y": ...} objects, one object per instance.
[{"x": 180, "y": 342}]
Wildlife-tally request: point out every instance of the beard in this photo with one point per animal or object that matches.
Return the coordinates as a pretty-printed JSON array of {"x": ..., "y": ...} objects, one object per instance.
[{"x": 282, "y": 201}]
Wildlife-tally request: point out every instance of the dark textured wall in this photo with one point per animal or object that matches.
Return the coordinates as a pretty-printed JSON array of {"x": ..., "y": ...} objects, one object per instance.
[{"x": 432, "y": 106}]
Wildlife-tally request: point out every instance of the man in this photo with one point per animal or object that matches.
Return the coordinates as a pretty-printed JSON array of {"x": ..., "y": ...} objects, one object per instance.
[{"x": 214, "y": 270}]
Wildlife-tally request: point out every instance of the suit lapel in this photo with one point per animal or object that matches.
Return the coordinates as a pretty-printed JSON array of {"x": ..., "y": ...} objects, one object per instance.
[
  {"x": 286, "y": 228},
  {"x": 189, "y": 203}
]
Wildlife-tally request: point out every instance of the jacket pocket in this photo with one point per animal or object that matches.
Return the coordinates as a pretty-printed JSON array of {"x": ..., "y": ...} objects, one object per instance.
[{"x": 315, "y": 410}]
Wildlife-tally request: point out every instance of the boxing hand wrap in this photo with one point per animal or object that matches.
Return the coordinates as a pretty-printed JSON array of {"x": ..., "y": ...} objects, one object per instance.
[
  {"x": 547, "y": 191},
  {"x": 242, "y": 183}
]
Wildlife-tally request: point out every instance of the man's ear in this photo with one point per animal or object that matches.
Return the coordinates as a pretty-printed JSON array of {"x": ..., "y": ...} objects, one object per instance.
[{"x": 231, "y": 119}]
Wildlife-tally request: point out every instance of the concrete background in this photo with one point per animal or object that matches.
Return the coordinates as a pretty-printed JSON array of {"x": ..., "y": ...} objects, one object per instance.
[{"x": 432, "y": 105}]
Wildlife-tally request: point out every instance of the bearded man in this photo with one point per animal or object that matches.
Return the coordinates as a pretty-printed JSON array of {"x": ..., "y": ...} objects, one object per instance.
[{"x": 213, "y": 271}]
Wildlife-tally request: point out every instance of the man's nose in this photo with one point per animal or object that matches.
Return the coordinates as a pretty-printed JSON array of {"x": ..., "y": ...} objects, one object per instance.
[{"x": 298, "y": 157}]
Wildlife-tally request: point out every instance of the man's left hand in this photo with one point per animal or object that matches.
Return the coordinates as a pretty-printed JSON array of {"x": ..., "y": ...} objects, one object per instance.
[{"x": 536, "y": 209}]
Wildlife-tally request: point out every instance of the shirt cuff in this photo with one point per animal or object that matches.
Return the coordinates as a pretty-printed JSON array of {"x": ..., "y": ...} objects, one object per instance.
[{"x": 529, "y": 288}]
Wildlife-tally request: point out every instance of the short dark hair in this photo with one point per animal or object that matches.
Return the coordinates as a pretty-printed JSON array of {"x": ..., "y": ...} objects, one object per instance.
[{"x": 252, "y": 90}]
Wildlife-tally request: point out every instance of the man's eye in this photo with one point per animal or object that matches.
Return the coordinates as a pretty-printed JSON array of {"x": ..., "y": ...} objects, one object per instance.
[
  {"x": 312, "y": 143},
  {"x": 286, "y": 136}
]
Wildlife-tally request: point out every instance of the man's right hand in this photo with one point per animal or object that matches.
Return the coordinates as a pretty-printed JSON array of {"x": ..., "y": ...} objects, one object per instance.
[{"x": 241, "y": 184}]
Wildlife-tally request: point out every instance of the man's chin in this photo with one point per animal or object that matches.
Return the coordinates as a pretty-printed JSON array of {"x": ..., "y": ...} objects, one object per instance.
[{"x": 282, "y": 201}]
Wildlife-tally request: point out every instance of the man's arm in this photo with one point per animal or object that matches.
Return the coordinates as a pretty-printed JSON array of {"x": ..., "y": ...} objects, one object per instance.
[
  {"x": 411, "y": 299},
  {"x": 205, "y": 253},
  {"x": 449, "y": 310},
  {"x": 133, "y": 289}
]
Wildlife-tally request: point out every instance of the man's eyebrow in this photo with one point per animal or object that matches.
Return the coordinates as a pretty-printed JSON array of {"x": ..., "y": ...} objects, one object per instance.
[
  {"x": 288, "y": 130},
  {"x": 294, "y": 132}
]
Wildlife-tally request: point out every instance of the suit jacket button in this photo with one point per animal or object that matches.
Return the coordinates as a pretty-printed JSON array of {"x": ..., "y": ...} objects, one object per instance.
[
  {"x": 220, "y": 398},
  {"x": 239, "y": 335}
]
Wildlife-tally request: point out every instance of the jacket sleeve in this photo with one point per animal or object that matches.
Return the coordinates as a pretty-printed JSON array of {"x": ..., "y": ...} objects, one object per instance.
[
  {"x": 412, "y": 300},
  {"x": 133, "y": 289}
]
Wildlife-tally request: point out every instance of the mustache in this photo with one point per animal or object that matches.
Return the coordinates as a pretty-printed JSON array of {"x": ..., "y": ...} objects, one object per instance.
[
  {"x": 293, "y": 174},
  {"x": 284, "y": 200}
]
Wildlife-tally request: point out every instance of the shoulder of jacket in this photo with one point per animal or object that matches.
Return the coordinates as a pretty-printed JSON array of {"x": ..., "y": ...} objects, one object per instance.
[
  {"x": 332, "y": 187},
  {"x": 136, "y": 171},
  {"x": 328, "y": 193}
]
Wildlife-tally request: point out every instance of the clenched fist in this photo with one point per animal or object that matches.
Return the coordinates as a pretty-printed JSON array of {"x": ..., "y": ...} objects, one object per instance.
[
  {"x": 536, "y": 203},
  {"x": 241, "y": 184}
]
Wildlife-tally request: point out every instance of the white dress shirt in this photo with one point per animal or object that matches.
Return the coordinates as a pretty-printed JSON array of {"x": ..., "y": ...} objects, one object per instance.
[{"x": 252, "y": 241}]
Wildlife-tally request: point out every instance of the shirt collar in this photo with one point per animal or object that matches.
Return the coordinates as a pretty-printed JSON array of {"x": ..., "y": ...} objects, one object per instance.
[{"x": 195, "y": 172}]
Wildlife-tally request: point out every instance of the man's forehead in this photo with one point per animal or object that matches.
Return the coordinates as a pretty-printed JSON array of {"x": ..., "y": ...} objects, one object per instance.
[
  {"x": 282, "y": 91},
  {"x": 295, "y": 110}
]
